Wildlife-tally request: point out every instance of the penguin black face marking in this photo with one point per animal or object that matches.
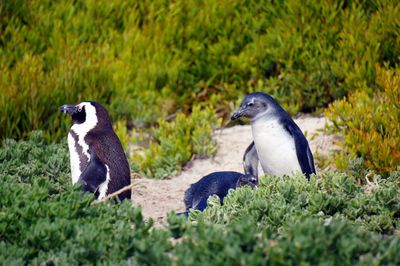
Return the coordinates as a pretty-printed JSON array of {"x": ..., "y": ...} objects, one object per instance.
[
  {"x": 77, "y": 112},
  {"x": 254, "y": 105}
]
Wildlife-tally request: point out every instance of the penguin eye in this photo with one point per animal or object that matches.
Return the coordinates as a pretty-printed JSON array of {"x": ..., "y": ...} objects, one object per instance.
[{"x": 250, "y": 104}]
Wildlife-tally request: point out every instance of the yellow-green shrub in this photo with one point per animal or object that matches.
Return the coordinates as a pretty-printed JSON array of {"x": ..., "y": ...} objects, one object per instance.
[
  {"x": 148, "y": 59},
  {"x": 173, "y": 143},
  {"x": 369, "y": 120}
]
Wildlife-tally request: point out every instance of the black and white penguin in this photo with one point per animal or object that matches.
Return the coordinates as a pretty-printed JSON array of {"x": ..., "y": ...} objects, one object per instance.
[
  {"x": 98, "y": 161},
  {"x": 216, "y": 183},
  {"x": 279, "y": 144},
  {"x": 250, "y": 161}
]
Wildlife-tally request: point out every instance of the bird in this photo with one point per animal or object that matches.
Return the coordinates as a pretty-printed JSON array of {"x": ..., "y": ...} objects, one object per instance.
[
  {"x": 215, "y": 183},
  {"x": 98, "y": 161},
  {"x": 250, "y": 160},
  {"x": 278, "y": 143}
]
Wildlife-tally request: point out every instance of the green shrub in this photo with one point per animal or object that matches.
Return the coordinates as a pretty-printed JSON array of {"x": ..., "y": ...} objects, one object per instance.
[
  {"x": 149, "y": 59},
  {"x": 24, "y": 160},
  {"x": 45, "y": 220},
  {"x": 288, "y": 221},
  {"x": 329, "y": 220},
  {"x": 280, "y": 202},
  {"x": 369, "y": 120},
  {"x": 175, "y": 142},
  {"x": 39, "y": 228}
]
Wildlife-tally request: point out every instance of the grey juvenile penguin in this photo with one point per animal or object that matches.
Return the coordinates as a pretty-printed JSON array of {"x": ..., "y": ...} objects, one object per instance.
[
  {"x": 278, "y": 144},
  {"x": 216, "y": 183},
  {"x": 98, "y": 161}
]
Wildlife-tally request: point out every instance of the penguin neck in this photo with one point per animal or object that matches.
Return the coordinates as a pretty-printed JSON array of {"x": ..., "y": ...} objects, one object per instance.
[
  {"x": 266, "y": 131},
  {"x": 264, "y": 120}
]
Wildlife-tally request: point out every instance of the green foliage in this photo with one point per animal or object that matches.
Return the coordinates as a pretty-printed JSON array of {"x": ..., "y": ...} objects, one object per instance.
[
  {"x": 64, "y": 229},
  {"x": 175, "y": 142},
  {"x": 24, "y": 160},
  {"x": 280, "y": 202},
  {"x": 44, "y": 220},
  {"x": 330, "y": 220},
  {"x": 370, "y": 124},
  {"x": 145, "y": 60}
]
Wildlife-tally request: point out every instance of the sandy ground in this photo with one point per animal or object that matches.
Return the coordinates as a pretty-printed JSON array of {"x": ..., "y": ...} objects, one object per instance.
[{"x": 158, "y": 197}]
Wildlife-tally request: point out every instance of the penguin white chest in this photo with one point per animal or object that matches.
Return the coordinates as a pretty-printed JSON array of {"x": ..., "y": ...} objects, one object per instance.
[
  {"x": 275, "y": 148},
  {"x": 74, "y": 159}
]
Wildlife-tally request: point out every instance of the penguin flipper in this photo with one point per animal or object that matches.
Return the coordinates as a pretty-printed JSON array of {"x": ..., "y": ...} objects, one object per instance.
[
  {"x": 94, "y": 174},
  {"x": 250, "y": 160},
  {"x": 311, "y": 160},
  {"x": 201, "y": 205},
  {"x": 303, "y": 152}
]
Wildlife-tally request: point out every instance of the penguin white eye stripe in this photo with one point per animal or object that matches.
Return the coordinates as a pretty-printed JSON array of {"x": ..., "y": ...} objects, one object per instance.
[
  {"x": 80, "y": 106},
  {"x": 82, "y": 129}
]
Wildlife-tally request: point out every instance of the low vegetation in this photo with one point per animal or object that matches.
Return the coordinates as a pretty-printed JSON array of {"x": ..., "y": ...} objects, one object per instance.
[{"x": 330, "y": 220}]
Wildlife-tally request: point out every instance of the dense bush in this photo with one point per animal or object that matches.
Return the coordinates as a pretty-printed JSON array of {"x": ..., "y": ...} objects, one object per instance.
[
  {"x": 329, "y": 220},
  {"x": 146, "y": 59},
  {"x": 284, "y": 201},
  {"x": 64, "y": 229},
  {"x": 24, "y": 160},
  {"x": 369, "y": 120},
  {"x": 43, "y": 219}
]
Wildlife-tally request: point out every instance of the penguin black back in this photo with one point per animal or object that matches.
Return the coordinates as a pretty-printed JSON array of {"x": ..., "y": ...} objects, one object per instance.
[
  {"x": 109, "y": 149},
  {"x": 216, "y": 183}
]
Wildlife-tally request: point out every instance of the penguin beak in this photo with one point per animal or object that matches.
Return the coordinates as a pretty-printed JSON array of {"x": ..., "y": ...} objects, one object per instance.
[
  {"x": 237, "y": 114},
  {"x": 68, "y": 109}
]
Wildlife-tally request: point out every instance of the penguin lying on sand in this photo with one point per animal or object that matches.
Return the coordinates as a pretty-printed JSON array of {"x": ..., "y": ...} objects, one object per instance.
[
  {"x": 98, "y": 161},
  {"x": 217, "y": 183},
  {"x": 278, "y": 144}
]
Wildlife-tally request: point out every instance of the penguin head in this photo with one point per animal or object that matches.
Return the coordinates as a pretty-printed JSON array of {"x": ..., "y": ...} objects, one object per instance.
[
  {"x": 255, "y": 105},
  {"x": 247, "y": 180},
  {"x": 87, "y": 113}
]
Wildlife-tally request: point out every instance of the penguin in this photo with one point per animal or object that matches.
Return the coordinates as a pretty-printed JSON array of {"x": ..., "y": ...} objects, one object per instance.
[
  {"x": 250, "y": 161},
  {"x": 98, "y": 161},
  {"x": 218, "y": 183},
  {"x": 278, "y": 142}
]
